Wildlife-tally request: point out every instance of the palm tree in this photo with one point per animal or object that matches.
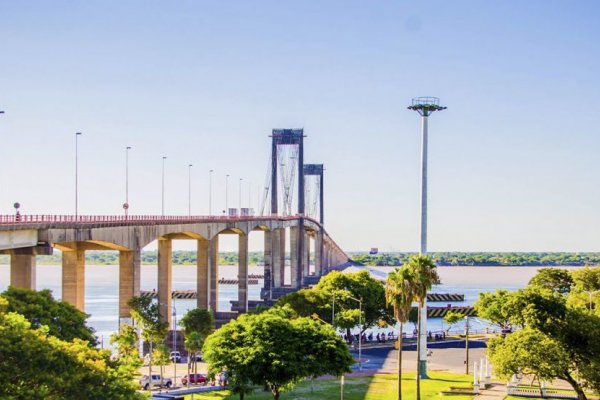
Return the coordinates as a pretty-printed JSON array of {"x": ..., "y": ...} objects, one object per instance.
[
  {"x": 425, "y": 276},
  {"x": 399, "y": 294}
]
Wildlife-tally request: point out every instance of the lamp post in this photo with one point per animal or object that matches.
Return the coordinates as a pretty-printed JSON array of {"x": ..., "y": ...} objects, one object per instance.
[
  {"x": 190, "y": 190},
  {"x": 126, "y": 204},
  {"x": 240, "y": 195},
  {"x": 226, "y": 195},
  {"x": 77, "y": 134},
  {"x": 163, "y": 186},
  {"x": 175, "y": 345},
  {"x": 467, "y": 344},
  {"x": 425, "y": 106},
  {"x": 210, "y": 172},
  {"x": 359, "y": 331},
  {"x": 591, "y": 293}
]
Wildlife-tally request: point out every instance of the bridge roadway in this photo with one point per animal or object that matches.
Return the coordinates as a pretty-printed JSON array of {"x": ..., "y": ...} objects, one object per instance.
[{"x": 25, "y": 236}]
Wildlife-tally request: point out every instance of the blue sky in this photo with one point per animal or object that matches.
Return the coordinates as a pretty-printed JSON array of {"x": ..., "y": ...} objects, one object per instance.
[{"x": 512, "y": 161}]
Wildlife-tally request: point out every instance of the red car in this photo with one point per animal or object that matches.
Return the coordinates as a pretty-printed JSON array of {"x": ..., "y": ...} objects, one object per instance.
[{"x": 194, "y": 379}]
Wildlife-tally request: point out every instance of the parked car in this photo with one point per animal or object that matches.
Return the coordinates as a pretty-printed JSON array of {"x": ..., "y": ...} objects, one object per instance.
[
  {"x": 147, "y": 383},
  {"x": 194, "y": 379},
  {"x": 197, "y": 355},
  {"x": 175, "y": 356}
]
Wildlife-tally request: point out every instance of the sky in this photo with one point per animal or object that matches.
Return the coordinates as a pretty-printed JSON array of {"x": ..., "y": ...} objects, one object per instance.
[{"x": 512, "y": 161}]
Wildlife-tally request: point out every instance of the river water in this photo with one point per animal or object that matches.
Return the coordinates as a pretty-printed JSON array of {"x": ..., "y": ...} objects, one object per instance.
[{"x": 101, "y": 287}]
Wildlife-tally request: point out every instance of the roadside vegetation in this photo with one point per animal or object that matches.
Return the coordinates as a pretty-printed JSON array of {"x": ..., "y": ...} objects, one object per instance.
[{"x": 558, "y": 326}]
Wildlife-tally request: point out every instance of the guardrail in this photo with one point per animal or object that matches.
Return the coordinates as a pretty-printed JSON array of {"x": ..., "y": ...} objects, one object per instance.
[{"x": 51, "y": 218}]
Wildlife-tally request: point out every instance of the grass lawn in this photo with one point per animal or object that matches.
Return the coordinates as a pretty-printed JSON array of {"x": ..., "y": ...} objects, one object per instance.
[{"x": 376, "y": 387}]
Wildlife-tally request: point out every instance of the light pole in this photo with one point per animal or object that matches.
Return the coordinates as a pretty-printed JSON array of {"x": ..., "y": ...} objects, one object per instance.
[
  {"x": 77, "y": 134},
  {"x": 190, "y": 190},
  {"x": 467, "y": 344},
  {"x": 210, "y": 172},
  {"x": 424, "y": 106},
  {"x": 175, "y": 345},
  {"x": 126, "y": 205},
  {"x": 226, "y": 195},
  {"x": 240, "y": 195},
  {"x": 591, "y": 293},
  {"x": 359, "y": 331},
  {"x": 163, "y": 186}
]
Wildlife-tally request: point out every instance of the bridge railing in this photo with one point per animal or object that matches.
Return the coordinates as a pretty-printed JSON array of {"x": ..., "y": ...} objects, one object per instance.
[{"x": 23, "y": 219}]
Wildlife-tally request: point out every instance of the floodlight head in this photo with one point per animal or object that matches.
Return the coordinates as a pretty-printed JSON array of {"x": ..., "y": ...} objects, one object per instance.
[{"x": 426, "y": 105}]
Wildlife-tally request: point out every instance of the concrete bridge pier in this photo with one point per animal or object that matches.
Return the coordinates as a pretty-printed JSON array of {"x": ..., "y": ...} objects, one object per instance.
[
  {"x": 242, "y": 273},
  {"x": 213, "y": 273},
  {"x": 202, "y": 276},
  {"x": 278, "y": 249},
  {"x": 165, "y": 278},
  {"x": 129, "y": 280},
  {"x": 73, "y": 276},
  {"x": 306, "y": 258},
  {"x": 319, "y": 254},
  {"x": 266, "y": 293},
  {"x": 23, "y": 268},
  {"x": 295, "y": 256}
]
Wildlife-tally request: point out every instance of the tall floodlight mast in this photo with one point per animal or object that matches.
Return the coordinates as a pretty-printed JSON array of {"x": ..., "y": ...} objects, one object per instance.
[{"x": 424, "y": 106}]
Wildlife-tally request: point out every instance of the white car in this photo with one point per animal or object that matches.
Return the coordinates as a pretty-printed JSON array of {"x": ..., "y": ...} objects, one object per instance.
[
  {"x": 147, "y": 383},
  {"x": 175, "y": 356}
]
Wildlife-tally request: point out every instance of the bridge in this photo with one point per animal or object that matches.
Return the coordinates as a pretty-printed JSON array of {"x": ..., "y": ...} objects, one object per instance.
[{"x": 23, "y": 237}]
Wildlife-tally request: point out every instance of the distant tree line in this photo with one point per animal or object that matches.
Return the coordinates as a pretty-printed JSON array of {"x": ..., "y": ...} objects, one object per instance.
[
  {"x": 483, "y": 259},
  {"x": 185, "y": 257}
]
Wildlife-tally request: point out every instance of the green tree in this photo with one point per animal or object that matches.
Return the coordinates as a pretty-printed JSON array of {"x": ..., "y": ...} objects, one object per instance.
[
  {"x": 126, "y": 341},
  {"x": 556, "y": 279},
  {"x": 35, "y": 364},
  {"x": 197, "y": 325},
  {"x": 425, "y": 276},
  {"x": 146, "y": 315},
  {"x": 307, "y": 302},
  {"x": 161, "y": 357},
  {"x": 40, "y": 308},
  {"x": 490, "y": 306},
  {"x": 193, "y": 344},
  {"x": 529, "y": 351},
  {"x": 452, "y": 318},
  {"x": 585, "y": 293},
  {"x": 359, "y": 285},
  {"x": 275, "y": 350},
  {"x": 399, "y": 294}
]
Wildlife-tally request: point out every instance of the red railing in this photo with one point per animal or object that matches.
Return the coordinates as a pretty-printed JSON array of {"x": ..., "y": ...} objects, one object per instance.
[{"x": 130, "y": 219}]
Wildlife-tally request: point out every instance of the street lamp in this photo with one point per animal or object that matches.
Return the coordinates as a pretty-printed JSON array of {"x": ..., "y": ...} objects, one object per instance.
[
  {"x": 240, "y": 195},
  {"x": 190, "y": 190},
  {"x": 77, "y": 134},
  {"x": 226, "y": 195},
  {"x": 163, "y": 186},
  {"x": 359, "y": 331},
  {"x": 467, "y": 344},
  {"x": 126, "y": 204},
  {"x": 210, "y": 172},
  {"x": 591, "y": 293},
  {"x": 174, "y": 345}
]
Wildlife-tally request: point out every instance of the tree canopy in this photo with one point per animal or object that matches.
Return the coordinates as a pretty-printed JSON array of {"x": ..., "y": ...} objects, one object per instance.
[
  {"x": 41, "y": 309},
  {"x": 36, "y": 364},
  {"x": 275, "y": 350},
  {"x": 556, "y": 279}
]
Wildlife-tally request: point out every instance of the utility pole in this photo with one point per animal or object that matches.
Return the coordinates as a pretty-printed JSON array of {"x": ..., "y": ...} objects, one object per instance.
[
  {"x": 77, "y": 134},
  {"x": 126, "y": 205},
  {"x": 227, "y": 195},
  {"x": 467, "y": 344},
  {"x": 163, "y": 186},
  {"x": 424, "y": 106},
  {"x": 190, "y": 190},
  {"x": 210, "y": 172}
]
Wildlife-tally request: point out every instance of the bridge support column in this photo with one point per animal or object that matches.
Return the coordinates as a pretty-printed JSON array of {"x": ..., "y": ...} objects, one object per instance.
[
  {"x": 202, "y": 274},
  {"x": 306, "y": 259},
  {"x": 319, "y": 254},
  {"x": 268, "y": 257},
  {"x": 22, "y": 268},
  {"x": 213, "y": 273},
  {"x": 129, "y": 281},
  {"x": 73, "y": 277},
  {"x": 295, "y": 257},
  {"x": 278, "y": 257},
  {"x": 165, "y": 276},
  {"x": 242, "y": 273}
]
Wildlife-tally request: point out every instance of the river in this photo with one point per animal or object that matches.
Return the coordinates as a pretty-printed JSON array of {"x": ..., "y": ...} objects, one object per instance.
[{"x": 101, "y": 287}]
